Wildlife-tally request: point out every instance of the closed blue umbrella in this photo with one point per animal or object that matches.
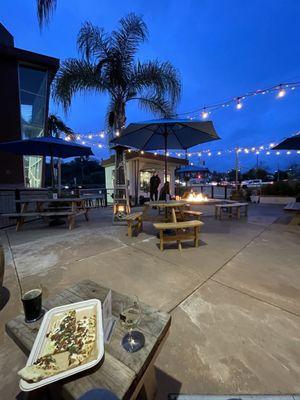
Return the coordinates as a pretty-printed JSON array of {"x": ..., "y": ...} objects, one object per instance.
[{"x": 163, "y": 134}]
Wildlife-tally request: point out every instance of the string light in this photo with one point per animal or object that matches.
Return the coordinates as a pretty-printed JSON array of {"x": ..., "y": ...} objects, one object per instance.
[
  {"x": 142, "y": 152},
  {"x": 117, "y": 133},
  {"x": 239, "y": 104},
  {"x": 90, "y": 136},
  {"x": 288, "y": 152},
  {"x": 102, "y": 135},
  {"x": 277, "y": 153},
  {"x": 267, "y": 153},
  {"x": 100, "y": 146},
  {"x": 204, "y": 113},
  {"x": 281, "y": 92}
]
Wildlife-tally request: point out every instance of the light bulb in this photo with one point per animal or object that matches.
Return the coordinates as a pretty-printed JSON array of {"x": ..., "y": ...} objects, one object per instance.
[
  {"x": 129, "y": 150},
  {"x": 189, "y": 154},
  {"x": 100, "y": 146},
  {"x": 277, "y": 153},
  {"x": 167, "y": 154},
  {"x": 246, "y": 151},
  {"x": 90, "y": 136},
  {"x": 209, "y": 154},
  {"x": 267, "y": 153},
  {"x": 204, "y": 114},
  {"x": 142, "y": 152},
  {"x": 78, "y": 137},
  {"x": 102, "y": 135},
  {"x": 239, "y": 104},
  {"x": 257, "y": 152},
  {"x": 155, "y": 154},
  {"x": 117, "y": 133},
  {"x": 83, "y": 142},
  {"x": 288, "y": 152},
  {"x": 272, "y": 145},
  {"x": 281, "y": 92},
  {"x": 219, "y": 153},
  {"x": 298, "y": 152}
]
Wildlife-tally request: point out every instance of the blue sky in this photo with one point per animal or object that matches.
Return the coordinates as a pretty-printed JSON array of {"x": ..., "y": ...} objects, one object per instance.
[{"x": 222, "y": 48}]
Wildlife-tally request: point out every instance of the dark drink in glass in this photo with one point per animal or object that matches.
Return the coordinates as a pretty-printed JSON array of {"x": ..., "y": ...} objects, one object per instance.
[{"x": 32, "y": 304}]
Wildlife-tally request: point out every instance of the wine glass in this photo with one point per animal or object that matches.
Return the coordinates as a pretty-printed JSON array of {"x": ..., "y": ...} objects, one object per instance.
[{"x": 130, "y": 318}]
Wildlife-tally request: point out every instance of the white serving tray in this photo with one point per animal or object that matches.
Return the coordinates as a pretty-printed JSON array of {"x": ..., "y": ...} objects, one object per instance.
[{"x": 39, "y": 341}]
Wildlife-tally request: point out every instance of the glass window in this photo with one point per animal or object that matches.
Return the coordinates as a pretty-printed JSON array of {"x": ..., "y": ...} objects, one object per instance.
[
  {"x": 145, "y": 176},
  {"x": 33, "y": 101}
]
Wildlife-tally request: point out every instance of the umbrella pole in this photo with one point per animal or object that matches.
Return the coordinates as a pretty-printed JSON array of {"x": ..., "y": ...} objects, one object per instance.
[
  {"x": 166, "y": 162},
  {"x": 52, "y": 171}
]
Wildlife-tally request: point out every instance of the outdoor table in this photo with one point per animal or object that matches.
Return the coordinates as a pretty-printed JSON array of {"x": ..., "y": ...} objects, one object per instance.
[
  {"x": 75, "y": 202},
  {"x": 125, "y": 374},
  {"x": 167, "y": 206}
]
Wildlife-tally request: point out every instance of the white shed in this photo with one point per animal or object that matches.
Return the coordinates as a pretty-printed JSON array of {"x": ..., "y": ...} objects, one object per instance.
[{"x": 140, "y": 167}]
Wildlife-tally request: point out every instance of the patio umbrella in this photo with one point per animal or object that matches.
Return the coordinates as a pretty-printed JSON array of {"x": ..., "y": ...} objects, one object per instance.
[
  {"x": 163, "y": 134},
  {"x": 46, "y": 146},
  {"x": 291, "y": 143}
]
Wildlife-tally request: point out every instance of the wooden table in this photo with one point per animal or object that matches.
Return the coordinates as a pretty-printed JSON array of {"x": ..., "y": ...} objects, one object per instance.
[
  {"x": 168, "y": 206},
  {"x": 128, "y": 375},
  {"x": 74, "y": 202}
]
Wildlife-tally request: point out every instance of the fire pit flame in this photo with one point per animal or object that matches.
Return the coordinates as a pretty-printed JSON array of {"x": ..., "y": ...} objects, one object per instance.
[{"x": 196, "y": 197}]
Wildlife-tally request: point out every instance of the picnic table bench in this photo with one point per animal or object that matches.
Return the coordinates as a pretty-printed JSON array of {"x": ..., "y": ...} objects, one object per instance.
[
  {"x": 134, "y": 221},
  {"x": 184, "y": 230},
  {"x": 232, "y": 209},
  {"x": 70, "y": 215},
  {"x": 43, "y": 207},
  {"x": 127, "y": 375}
]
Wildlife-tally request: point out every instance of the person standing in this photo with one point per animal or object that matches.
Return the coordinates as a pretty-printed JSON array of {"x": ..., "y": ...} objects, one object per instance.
[{"x": 154, "y": 184}]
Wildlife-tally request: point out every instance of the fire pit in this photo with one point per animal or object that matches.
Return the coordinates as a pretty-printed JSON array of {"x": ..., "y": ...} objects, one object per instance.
[{"x": 198, "y": 198}]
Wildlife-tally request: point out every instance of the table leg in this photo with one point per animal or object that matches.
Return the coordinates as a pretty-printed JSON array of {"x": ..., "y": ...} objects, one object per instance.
[
  {"x": 161, "y": 238},
  {"x": 149, "y": 388}
]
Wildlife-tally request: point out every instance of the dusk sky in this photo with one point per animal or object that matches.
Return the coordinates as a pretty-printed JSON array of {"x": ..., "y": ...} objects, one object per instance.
[{"x": 222, "y": 48}]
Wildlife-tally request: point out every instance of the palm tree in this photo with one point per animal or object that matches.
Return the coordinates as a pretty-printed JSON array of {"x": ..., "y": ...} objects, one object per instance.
[
  {"x": 56, "y": 127},
  {"x": 108, "y": 65},
  {"x": 44, "y": 10}
]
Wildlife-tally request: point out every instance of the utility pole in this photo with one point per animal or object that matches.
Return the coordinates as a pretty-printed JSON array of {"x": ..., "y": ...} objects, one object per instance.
[{"x": 236, "y": 168}]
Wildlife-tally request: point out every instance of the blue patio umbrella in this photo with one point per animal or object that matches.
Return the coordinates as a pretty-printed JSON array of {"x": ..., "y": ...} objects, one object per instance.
[
  {"x": 164, "y": 134},
  {"x": 46, "y": 146},
  {"x": 291, "y": 143}
]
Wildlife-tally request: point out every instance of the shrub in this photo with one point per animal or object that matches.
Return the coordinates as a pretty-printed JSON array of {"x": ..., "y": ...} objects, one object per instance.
[{"x": 281, "y": 189}]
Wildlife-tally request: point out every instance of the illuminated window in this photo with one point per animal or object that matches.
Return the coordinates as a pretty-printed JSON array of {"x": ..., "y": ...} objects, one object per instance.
[{"x": 33, "y": 100}]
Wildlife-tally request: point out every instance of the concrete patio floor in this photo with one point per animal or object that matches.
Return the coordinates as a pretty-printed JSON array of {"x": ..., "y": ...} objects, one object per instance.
[{"x": 235, "y": 300}]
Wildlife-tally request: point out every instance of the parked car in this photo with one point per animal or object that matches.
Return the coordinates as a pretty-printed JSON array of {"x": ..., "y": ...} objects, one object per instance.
[
  {"x": 254, "y": 183},
  {"x": 251, "y": 183}
]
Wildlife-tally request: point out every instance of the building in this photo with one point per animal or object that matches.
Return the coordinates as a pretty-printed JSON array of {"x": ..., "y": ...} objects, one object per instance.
[
  {"x": 140, "y": 168},
  {"x": 193, "y": 174},
  {"x": 25, "y": 79}
]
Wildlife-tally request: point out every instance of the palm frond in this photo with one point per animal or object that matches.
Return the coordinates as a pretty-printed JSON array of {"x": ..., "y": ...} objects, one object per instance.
[
  {"x": 156, "y": 104},
  {"x": 161, "y": 77},
  {"x": 44, "y": 9},
  {"x": 126, "y": 40},
  {"x": 57, "y": 126},
  {"x": 76, "y": 76},
  {"x": 92, "y": 42}
]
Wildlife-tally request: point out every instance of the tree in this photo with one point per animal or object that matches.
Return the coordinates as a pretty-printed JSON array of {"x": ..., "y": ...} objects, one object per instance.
[
  {"x": 44, "y": 9},
  {"x": 256, "y": 173},
  {"x": 108, "y": 65},
  {"x": 56, "y": 127}
]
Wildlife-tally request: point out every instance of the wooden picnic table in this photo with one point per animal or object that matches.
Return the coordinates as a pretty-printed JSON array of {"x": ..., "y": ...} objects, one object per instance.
[
  {"x": 125, "y": 374},
  {"x": 74, "y": 202},
  {"x": 168, "y": 207}
]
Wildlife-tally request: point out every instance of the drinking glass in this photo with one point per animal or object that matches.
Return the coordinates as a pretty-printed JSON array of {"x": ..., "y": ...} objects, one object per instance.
[
  {"x": 130, "y": 318},
  {"x": 32, "y": 304}
]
